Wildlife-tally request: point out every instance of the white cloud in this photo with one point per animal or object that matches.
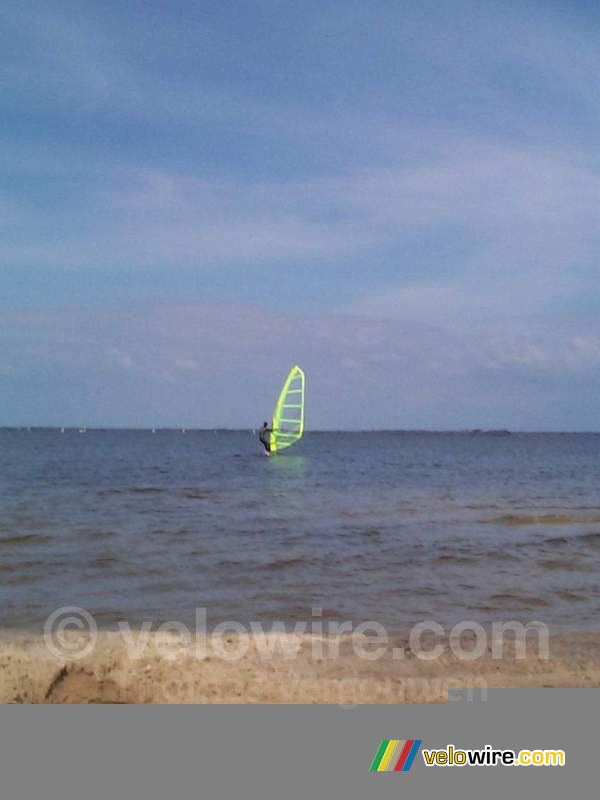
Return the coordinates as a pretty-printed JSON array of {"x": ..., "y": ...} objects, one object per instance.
[
  {"x": 518, "y": 217},
  {"x": 459, "y": 201},
  {"x": 187, "y": 364},
  {"x": 520, "y": 211},
  {"x": 122, "y": 359},
  {"x": 199, "y": 365}
]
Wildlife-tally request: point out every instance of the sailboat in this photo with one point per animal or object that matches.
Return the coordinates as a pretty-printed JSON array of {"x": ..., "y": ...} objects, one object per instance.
[{"x": 288, "y": 417}]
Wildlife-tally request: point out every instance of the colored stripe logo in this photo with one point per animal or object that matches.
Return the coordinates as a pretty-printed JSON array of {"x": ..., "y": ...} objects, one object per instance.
[{"x": 395, "y": 755}]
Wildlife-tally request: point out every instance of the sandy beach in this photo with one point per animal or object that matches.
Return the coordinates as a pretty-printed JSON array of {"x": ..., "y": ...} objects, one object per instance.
[{"x": 163, "y": 673}]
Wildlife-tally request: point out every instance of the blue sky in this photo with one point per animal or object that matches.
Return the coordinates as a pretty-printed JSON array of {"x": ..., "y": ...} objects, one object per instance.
[{"x": 402, "y": 197}]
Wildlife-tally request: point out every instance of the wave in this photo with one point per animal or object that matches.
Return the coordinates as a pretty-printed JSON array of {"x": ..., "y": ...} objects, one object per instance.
[
  {"x": 501, "y": 555},
  {"x": 25, "y": 538},
  {"x": 370, "y": 532},
  {"x": 543, "y": 519},
  {"x": 104, "y": 561},
  {"x": 199, "y": 494},
  {"x": 519, "y": 599},
  {"x": 591, "y": 538},
  {"x": 285, "y": 563},
  {"x": 572, "y": 597},
  {"x": 132, "y": 490},
  {"x": 559, "y": 564},
  {"x": 94, "y": 534},
  {"x": 451, "y": 559}
]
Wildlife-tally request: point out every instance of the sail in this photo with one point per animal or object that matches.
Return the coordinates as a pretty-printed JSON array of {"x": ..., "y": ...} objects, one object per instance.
[{"x": 288, "y": 417}]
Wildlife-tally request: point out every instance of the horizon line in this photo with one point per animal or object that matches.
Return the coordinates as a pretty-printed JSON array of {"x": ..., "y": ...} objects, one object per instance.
[{"x": 187, "y": 429}]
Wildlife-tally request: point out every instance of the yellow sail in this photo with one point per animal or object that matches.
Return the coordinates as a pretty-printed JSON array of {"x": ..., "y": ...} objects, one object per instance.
[{"x": 288, "y": 417}]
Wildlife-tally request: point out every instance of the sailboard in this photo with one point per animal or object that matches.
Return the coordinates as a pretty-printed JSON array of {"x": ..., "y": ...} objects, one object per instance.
[{"x": 288, "y": 417}]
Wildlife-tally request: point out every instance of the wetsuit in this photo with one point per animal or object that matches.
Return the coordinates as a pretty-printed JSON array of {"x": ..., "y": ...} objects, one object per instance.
[{"x": 264, "y": 437}]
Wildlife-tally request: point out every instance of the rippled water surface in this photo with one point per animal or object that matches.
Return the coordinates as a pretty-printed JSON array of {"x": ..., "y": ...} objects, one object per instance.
[{"x": 395, "y": 527}]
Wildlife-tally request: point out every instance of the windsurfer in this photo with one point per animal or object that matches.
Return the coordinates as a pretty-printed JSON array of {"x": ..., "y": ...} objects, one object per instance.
[{"x": 264, "y": 436}]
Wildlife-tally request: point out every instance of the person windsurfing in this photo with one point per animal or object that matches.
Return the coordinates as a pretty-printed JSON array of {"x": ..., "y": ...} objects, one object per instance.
[{"x": 264, "y": 436}]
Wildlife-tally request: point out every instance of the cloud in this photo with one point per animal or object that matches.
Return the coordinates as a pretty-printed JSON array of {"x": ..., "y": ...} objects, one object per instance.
[
  {"x": 209, "y": 366},
  {"x": 506, "y": 202},
  {"x": 488, "y": 214},
  {"x": 420, "y": 185}
]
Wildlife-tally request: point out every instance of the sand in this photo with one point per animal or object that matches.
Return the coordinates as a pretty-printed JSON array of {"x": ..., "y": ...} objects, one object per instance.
[{"x": 167, "y": 672}]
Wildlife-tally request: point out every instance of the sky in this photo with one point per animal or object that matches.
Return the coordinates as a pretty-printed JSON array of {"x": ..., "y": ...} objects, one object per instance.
[{"x": 404, "y": 198}]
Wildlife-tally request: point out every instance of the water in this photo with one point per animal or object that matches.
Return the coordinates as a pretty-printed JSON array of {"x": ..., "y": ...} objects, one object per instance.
[{"x": 395, "y": 527}]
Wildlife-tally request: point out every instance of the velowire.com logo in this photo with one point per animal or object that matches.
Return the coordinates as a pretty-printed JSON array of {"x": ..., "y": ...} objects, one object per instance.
[{"x": 395, "y": 755}]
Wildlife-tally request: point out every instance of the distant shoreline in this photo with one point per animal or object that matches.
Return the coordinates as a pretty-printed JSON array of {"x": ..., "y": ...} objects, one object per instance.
[{"x": 392, "y": 431}]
